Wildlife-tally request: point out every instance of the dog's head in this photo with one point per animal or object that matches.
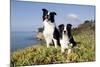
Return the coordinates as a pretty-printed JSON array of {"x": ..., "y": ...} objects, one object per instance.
[
  {"x": 62, "y": 29},
  {"x": 49, "y": 16},
  {"x": 65, "y": 30}
]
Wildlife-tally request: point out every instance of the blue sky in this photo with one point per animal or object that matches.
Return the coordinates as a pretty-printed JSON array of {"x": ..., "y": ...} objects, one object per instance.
[{"x": 27, "y": 16}]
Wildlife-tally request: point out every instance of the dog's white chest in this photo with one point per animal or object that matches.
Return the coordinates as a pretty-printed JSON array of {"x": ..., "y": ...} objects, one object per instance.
[
  {"x": 48, "y": 27},
  {"x": 64, "y": 41}
]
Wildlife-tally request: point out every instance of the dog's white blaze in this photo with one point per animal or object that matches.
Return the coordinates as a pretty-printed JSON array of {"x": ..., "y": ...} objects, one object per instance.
[
  {"x": 65, "y": 28},
  {"x": 48, "y": 13}
]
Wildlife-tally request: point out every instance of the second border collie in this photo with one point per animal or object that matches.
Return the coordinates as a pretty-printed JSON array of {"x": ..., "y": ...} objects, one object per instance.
[
  {"x": 66, "y": 38},
  {"x": 50, "y": 31}
]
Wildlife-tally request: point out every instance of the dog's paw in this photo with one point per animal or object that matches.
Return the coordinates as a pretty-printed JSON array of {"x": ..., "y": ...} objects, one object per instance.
[{"x": 69, "y": 51}]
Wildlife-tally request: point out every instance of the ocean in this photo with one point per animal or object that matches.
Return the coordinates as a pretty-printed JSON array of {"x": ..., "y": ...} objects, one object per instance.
[{"x": 22, "y": 39}]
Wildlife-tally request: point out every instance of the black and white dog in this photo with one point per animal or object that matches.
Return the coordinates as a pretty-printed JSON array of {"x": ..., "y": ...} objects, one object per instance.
[
  {"x": 50, "y": 31},
  {"x": 66, "y": 38}
]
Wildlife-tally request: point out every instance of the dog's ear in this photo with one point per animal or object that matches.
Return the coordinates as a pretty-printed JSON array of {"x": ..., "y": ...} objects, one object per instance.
[
  {"x": 54, "y": 13},
  {"x": 61, "y": 26},
  {"x": 69, "y": 25},
  {"x": 44, "y": 10}
]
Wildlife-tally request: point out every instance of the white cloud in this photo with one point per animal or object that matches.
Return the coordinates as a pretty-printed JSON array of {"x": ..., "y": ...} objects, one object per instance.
[
  {"x": 72, "y": 16},
  {"x": 73, "y": 19}
]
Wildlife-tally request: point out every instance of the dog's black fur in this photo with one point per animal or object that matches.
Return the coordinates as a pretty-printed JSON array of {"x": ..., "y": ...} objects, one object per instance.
[
  {"x": 71, "y": 39},
  {"x": 56, "y": 35},
  {"x": 61, "y": 28}
]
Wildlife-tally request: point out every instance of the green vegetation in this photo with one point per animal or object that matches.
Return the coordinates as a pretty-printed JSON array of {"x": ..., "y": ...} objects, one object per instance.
[{"x": 84, "y": 51}]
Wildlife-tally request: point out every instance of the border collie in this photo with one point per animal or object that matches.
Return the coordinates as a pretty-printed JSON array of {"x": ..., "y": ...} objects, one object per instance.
[
  {"x": 50, "y": 32},
  {"x": 66, "y": 38}
]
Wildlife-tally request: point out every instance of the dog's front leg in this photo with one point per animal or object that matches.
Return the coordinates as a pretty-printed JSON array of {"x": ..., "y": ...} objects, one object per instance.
[
  {"x": 55, "y": 43},
  {"x": 69, "y": 51},
  {"x": 48, "y": 44},
  {"x": 62, "y": 49},
  {"x": 48, "y": 41}
]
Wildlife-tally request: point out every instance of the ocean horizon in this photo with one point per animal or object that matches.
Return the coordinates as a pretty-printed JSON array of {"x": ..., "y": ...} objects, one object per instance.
[{"x": 22, "y": 39}]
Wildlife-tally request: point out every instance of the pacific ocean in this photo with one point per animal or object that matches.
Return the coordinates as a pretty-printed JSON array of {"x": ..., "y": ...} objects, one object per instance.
[{"x": 22, "y": 39}]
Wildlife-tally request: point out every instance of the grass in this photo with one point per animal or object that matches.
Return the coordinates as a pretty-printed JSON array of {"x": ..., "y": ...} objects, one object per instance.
[{"x": 40, "y": 54}]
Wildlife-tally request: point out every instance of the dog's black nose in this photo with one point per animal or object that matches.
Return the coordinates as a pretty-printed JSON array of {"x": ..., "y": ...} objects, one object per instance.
[{"x": 64, "y": 31}]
